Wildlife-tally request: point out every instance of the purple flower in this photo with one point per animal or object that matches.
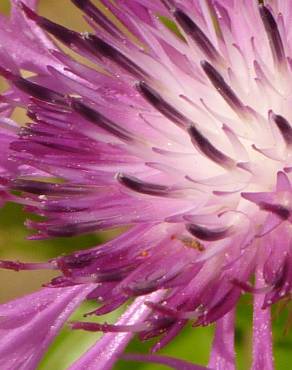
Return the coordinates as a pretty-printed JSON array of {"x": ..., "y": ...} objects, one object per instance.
[{"x": 181, "y": 134}]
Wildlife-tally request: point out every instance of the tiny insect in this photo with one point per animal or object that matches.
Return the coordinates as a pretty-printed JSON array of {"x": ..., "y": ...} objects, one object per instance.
[{"x": 190, "y": 242}]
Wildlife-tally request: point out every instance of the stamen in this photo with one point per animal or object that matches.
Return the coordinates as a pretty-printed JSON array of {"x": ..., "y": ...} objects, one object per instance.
[
  {"x": 247, "y": 287},
  {"x": 39, "y": 187},
  {"x": 284, "y": 127},
  {"x": 111, "y": 306},
  {"x": 139, "y": 186},
  {"x": 94, "y": 13},
  {"x": 33, "y": 89},
  {"x": 273, "y": 34},
  {"x": 162, "y": 307},
  {"x": 168, "y": 4},
  {"x": 68, "y": 37},
  {"x": 224, "y": 90},
  {"x": 282, "y": 275},
  {"x": 197, "y": 35},
  {"x": 161, "y": 105},
  {"x": 277, "y": 209},
  {"x": 101, "y": 121},
  {"x": 204, "y": 145},
  {"x": 88, "y": 42},
  {"x": 64, "y": 230},
  {"x": 100, "y": 47},
  {"x": 77, "y": 261},
  {"x": 108, "y": 328},
  {"x": 204, "y": 233},
  {"x": 21, "y": 266}
]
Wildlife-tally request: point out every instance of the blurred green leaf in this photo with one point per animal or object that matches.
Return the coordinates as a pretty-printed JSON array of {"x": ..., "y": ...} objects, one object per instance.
[{"x": 5, "y": 6}]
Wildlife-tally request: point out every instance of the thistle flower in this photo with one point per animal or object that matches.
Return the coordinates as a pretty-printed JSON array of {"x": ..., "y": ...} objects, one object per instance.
[{"x": 183, "y": 136}]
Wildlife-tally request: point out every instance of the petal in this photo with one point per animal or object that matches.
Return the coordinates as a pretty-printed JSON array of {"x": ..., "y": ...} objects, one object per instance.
[
  {"x": 223, "y": 352},
  {"x": 29, "y": 324},
  {"x": 106, "y": 351},
  {"x": 30, "y": 49},
  {"x": 262, "y": 332}
]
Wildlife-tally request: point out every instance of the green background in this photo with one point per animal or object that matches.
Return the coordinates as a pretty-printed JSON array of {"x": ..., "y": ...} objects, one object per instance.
[{"x": 192, "y": 344}]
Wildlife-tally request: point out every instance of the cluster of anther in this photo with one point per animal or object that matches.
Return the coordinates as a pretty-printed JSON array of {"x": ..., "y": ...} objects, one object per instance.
[
  {"x": 135, "y": 268},
  {"x": 89, "y": 44},
  {"x": 94, "y": 45}
]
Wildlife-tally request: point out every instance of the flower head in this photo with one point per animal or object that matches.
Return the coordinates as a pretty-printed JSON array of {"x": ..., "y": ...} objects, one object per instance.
[{"x": 182, "y": 134}]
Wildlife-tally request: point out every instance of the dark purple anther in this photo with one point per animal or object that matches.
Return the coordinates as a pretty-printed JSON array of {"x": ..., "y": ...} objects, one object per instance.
[
  {"x": 94, "y": 13},
  {"x": 273, "y": 34},
  {"x": 40, "y": 187},
  {"x": 282, "y": 275},
  {"x": 277, "y": 209},
  {"x": 37, "y": 91},
  {"x": 197, "y": 35},
  {"x": 88, "y": 42},
  {"x": 143, "y": 187},
  {"x": 68, "y": 37},
  {"x": 204, "y": 146},
  {"x": 206, "y": 234},
  {"x": 284, "y": 127},
  {"x": 100, "y": 47},
  {"x": 71, "y": 229},
  {"x": 101, "y": 121},
  {"x": 222, "y": 87},
  {"x": 161, "y": 105}
]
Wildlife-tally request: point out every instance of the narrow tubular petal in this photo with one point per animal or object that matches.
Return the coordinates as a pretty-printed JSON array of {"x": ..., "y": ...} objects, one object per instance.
[
  {"x": 62, "y": 33},
  {"x": 204, "y": 233},
  {"x": 94, "y": 13},
  {"x": 29, "y": 324},
  {"x": 33, "y": 89},
  {"x": 102, "y": 48},
  {"x": 139, "y": 186},
  {"x": 283, "y": 182},
  {"x": 87, "y": 43},
  {"x": 204, "y": 146},
  {"x": 21, "y": 266},
  {"x": 284, "y": 127},
  {"x": 266, "y": 202},
  {"x": 223, "y": 351},
  {"x": 107, "y": 350},
  {"x": 197, "y": 35},
  {"x": 156, "y": 100},
  {"x": 262, "y": 331},
  {"x": 101, "y": 121},
  {"x": 277, "y": 209},
  {"x": 223, "y": 88},
  {"x": 41, "y": 187},
  {"x": 273, "y": 34},
  {"x": 107, "y": 328}
]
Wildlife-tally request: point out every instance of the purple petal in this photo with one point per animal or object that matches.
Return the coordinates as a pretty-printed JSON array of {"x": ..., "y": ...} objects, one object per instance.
[
  {"x": 107, "y": 350},
  {"x": 262, "y": 331},
  {"x": 30, "y": 49},
  {"x": 29, "y": 324},
  {"x": 223, "y": 351}
]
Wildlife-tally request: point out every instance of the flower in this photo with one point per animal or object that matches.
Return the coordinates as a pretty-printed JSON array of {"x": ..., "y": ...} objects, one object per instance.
[{"x": 181, "y": 134}]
